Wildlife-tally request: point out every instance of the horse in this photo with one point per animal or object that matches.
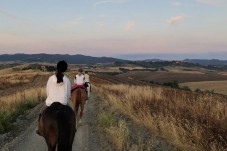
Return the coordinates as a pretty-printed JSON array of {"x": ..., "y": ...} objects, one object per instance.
[
  {"x": 78, "y": 98},
  {"x": 88, "y": 85},
  {"x": 59, "y": 127}
]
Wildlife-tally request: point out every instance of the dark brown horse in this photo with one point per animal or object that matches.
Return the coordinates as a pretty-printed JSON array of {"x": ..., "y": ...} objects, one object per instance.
[
  {"x": 59, "y": 127},
  {"x": 78, "y": 99}
]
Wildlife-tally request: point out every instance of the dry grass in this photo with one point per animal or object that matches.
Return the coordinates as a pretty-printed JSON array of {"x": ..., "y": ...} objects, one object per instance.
[
  {"x": 8, "y": 102},
  {"x": 187, "y": 120},
  {"x": 19, "y": 92},
  {"x": 217, "y": 86},
  {"x": 17, "y": 104},
  {"x": 11, "y": 80},
  {"x": 162, "y": 77}
]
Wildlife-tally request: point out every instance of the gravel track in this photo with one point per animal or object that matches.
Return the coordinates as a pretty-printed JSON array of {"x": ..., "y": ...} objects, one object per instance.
[{"x": 86, "y": 138}]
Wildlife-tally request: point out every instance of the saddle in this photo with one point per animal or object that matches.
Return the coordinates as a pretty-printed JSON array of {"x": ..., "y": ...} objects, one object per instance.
[{"x": 78, "y": 86}]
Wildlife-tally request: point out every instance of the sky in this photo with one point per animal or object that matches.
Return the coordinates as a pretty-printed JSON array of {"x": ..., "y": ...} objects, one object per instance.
[{"x": 113, "y": 27}]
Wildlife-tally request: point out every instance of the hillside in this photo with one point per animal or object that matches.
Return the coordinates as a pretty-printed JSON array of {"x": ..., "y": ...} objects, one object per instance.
[
  {"x": 53, "y": 58},
  {"x": 207, "y": 62}
]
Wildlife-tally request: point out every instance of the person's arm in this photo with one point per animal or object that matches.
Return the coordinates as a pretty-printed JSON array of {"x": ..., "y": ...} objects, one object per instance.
[
  {"x": 68, "y": 89},
  {"x": 74, "y": 80},
  {"x": 48, "y": 86},
  {"x": 83, "y": 79}
]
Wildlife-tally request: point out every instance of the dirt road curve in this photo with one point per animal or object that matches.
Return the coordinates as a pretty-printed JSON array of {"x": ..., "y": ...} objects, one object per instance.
[{"x": 86, "y": 138}]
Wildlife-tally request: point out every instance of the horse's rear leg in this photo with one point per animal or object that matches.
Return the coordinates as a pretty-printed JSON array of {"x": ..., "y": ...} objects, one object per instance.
[
  {"x": 51, "y": 148},
  {"x": 71, "y": 138},
  {"x": 82, "y": 108},
  {"x": 76, "y": 109},
  {"x": 88, "y": 91},
  {"x": 75, "y": 104}
]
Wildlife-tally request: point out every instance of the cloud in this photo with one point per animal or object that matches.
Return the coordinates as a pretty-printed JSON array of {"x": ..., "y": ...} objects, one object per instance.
[
  {"x": 76, "y": 21},
  {"x": 175, "y": 20},
  {"x": 130, "y": 26},
  {"x": 210, "y": 2},
  {"x": 101, "y": 25},
  {"x": 9, "y": 15},
  {"x": 176, "y": 4},
  {"x": 100, "y": 2}
]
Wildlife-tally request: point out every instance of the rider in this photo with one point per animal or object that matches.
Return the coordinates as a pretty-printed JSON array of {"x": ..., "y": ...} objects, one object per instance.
[
  {"x": 58, "y": 90},
  {"x": 86, "y": 76},
  {"x": 87, "y": 82},
  {"x": 79, "y": 79}
]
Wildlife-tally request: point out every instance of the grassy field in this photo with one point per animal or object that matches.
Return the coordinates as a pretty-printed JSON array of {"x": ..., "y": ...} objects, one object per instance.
[
  {"x": 20, "y": 91},
  {"x": 16, "y": 79},
  {"x": 17, "y": 104},
  {"x": 162, "y": 76},
  {"x": 216, "y": 86},
  {"x": 187, "y": 120}
]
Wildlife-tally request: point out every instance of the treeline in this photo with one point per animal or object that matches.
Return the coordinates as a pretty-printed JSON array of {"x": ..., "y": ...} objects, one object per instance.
[
  {"x": 162, "y": 64},
  {"x": 40, "y": 67},
  {"x": 4, "y": 66}
]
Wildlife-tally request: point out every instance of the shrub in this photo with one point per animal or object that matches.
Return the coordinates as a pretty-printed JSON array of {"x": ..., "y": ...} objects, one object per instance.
[
  {"x": 173, "y": 84},
  {"x": 186, "y": 88}
]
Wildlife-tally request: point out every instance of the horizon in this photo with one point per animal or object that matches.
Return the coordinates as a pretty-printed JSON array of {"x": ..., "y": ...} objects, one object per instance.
[
  {"x": 114, "y": 27},
  {"x": 134, "y": 57}
]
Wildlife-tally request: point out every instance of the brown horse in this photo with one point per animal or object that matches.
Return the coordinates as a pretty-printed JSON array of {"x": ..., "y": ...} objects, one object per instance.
[
  {"x": 78, "y": 98},
  {"x": 59, "y": 127}
]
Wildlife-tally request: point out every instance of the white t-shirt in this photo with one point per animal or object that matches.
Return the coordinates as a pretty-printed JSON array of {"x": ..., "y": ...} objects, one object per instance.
[
  {"x": 58, "y": 92},
  {"x": 79, "y": 80},
  {"x": 87, "y": 78}
]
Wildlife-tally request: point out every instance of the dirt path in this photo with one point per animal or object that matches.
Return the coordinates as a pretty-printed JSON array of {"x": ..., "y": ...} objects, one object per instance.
[{"x": 86, "y": 138}]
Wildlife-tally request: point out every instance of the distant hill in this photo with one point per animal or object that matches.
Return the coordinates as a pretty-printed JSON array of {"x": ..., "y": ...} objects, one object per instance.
[
  {"x": 53, "y": 58},
  {"x": 153, "y": 60},
  {"x": 206, "y": 62}
]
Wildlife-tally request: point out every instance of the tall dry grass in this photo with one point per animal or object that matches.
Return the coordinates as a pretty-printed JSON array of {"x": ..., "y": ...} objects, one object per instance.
[
  {"x": 11, "y": 80},
  {"x": 16, "y": 104},
  {"x": 187, "y": 120}
]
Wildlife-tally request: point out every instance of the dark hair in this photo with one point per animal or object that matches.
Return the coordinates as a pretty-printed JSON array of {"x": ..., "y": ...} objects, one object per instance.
[
  {"x": 80, "y": 70},
  {"x": 61, "y": 68},
  {"x": 86, "y": 71}
]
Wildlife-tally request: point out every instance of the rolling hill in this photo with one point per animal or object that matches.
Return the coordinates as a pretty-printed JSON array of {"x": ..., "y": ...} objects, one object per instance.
[
  {"x": 53, "y": 58},
  {"x": 207, "y": 62}
]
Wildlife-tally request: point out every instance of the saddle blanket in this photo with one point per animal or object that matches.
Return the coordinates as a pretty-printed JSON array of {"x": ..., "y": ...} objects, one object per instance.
[{"x": 78, "y": 86}]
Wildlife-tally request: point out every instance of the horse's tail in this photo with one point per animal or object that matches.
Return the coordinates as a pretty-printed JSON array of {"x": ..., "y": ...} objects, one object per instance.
[{"x": 63, "y": 132}]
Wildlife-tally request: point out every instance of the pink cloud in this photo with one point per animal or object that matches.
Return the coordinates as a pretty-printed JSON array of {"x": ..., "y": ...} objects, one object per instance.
[
  {"x": 101, "y": 25},
  {"x": 175, "y": 20},
  {"x": 130, "y": 26}
]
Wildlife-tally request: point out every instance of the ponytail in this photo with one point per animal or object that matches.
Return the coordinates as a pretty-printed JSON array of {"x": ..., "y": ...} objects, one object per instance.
[
  {"x": 59, "y": 76},
  {"x": 61, "y": 68}
]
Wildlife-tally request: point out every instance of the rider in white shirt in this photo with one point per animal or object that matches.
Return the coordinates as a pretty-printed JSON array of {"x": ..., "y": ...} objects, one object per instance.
[
  {"x": 87, "y": 79},
  {"x": 87, "y": 83},
  {"x": 79, "y": 78},
  {"x": 58, "y": 89}
]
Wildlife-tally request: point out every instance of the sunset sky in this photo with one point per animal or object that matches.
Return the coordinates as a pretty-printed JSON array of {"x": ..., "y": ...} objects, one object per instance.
[{"x": 113, "y": 27}]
